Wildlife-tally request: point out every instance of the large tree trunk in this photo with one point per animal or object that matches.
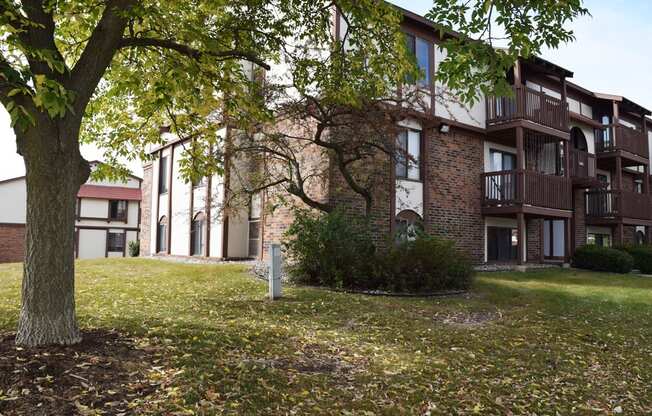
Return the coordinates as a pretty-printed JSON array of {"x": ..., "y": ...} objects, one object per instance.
[{"x": 54, "y": 173}]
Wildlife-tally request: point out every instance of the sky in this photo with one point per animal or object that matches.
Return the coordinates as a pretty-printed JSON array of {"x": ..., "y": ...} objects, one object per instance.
[{"x": 612, "y": 54}]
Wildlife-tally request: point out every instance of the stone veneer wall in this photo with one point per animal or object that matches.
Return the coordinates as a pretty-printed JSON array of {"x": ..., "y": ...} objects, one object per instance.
[{"x": 146, "y": 212}]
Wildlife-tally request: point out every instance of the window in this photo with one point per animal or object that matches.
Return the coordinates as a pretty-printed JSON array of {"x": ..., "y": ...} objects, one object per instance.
[
  {"x": 162, "y": 235},
  {"x": 638, "y": 186},
  {"x": 197, "y": 234},
  {"x": 255, "y": 214},
  {"x": 602, "y": 240},
  {"x": 409, "y": 225},
  {"x": 408, "y": 158},
  {"x": 118, "y": 210},
  {"x": 420, "y": 49},
  {"x": 640, "y": 238},
  {"x": 501, "y": 161},
  {"x": 163, "y": 175},
  {"x": 116, "y": 242}
]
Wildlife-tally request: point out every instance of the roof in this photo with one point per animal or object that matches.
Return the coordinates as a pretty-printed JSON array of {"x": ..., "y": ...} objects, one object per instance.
[
  {"x": 627, "y": 103},
  {"x": 109, "y": 192}
]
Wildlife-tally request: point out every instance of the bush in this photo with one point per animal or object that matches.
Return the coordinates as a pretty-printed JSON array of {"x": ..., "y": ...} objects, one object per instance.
[
  {"x": 134, "y": 248},
  {"x": 425, "y": 264},
  {"x": 604, "y": 259},
  {"x": 337, "y": 251},
  {"x": 642, "y": 256},
  {"x": 331, "y": 250}
]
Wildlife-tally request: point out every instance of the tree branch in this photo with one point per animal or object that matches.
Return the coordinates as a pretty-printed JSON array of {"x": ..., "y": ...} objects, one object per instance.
[{"x": 192, "y": 52}]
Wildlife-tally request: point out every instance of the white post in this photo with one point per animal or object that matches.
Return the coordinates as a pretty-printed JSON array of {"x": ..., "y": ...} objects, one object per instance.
[{"x": 275, "y": 291}]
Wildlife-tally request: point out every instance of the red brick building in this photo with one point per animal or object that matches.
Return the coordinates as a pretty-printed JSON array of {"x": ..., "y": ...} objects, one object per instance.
[{"x": 522, "y": 179}]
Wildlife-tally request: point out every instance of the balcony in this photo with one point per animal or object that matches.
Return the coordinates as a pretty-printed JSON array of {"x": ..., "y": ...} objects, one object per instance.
[
  {"x": 612, "y": 138},
  {"x": 616, "y": 205},
  {"x": 582, "y": 164},
  {"x": 519, "y": 188},
  {"x": 530, "y": 105}
]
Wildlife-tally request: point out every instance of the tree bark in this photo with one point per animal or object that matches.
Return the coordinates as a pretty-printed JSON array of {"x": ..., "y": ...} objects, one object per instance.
[{"x": 54, "y": 172}]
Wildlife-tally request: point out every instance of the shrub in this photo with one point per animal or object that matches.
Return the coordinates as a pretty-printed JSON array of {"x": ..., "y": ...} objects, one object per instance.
[
  {"x": 603, "y": 259},
  {"x": 642, "y": 256},
  {"x": 331, "y": 250},
  {"x": 134, "y": 248},
  {"x": 425, "y": 264}
]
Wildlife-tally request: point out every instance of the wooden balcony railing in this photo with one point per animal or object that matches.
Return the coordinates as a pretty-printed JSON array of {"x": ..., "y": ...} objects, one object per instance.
[
  {"x": 617, "y": 137},
  {"x": 528, "y": 104},
  {"x": 582, "y": 164},
  {"x": 524, "y": 187},
  {"x": 608, "y": 204}
]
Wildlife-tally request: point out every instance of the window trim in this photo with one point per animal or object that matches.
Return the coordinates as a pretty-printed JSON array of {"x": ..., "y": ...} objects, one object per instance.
[
  {"x": 430, "y": 85},
  {"x": 163, "y": 221},
  {"x": 163, "y": 185},
  {"x": 200, "y": 218},
  {"x": 123, "y": 241}
]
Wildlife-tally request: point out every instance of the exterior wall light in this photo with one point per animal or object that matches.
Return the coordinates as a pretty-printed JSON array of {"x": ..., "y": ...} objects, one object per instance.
[{"x": 444, "y": 128}]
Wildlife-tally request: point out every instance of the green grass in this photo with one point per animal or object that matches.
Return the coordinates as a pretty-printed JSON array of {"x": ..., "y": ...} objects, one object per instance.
[{"x": 557, "y": 342}]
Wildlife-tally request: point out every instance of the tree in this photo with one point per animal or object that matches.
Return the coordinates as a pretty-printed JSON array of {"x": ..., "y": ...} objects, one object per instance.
[{"x": 112, "y": 71}]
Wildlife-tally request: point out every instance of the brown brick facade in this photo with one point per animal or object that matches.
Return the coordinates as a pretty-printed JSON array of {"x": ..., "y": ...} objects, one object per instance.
[
  {"x": 534, "y": 239},
  {"x": 146, "y": 212},
  {"x": 12, "y": 243},
  {"x": 455, "y": 162}
]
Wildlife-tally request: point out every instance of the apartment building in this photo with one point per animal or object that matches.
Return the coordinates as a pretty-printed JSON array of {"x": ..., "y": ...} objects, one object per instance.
[
  {"x": 519, "y": 179},
  {"x": 108, "y": 218}
]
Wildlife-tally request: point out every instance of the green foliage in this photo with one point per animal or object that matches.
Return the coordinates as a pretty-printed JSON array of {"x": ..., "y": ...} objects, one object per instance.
[
  {"x": 425, "y": 264},
  {"x": 336, "y": 250},
  {"x": 603, "y": 259},
  {"x": 642, "y": 256},
  {"x": 134, "y": 248},
  {"x": 475, "y": 62},
  {"x": 331, "y": 250}
]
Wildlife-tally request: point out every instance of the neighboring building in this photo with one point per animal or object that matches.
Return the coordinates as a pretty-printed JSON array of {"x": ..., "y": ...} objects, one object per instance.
[
  {"x": 108, "y": 218},
  {"x": 524, "y": 179}
]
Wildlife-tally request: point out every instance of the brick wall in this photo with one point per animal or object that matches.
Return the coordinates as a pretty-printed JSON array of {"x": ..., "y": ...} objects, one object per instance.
[
  {"x": 455, "y": 162},
  {"x": 12, "y": 243},
  {"x": 146, "y": 211},
  {"x": 579, "y": 218},
  {"x": 534, "y": 239}
]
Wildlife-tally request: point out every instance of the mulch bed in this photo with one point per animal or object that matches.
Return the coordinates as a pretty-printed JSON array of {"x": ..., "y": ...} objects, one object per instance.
[{"x": 105, "y": 374}]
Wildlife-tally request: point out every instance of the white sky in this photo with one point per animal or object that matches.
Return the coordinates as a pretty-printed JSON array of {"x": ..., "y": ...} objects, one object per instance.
[{"x": 612, "y": 54}]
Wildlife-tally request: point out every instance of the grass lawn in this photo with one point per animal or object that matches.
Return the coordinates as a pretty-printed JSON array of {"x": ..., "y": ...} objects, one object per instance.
[{"x": 547, "y": 342}]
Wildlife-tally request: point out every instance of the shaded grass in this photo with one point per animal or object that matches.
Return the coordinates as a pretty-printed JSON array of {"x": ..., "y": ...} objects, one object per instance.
[{"x": 553, "y": 341}]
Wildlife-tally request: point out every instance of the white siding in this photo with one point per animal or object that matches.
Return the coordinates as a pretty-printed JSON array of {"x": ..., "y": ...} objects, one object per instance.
[
  {"x": 409, "y": 195},
  {"x": 92, "y": 244},
  {"x": 447, "y": 106},
  {"x": 94, "y": 208},
  {"x": 180, "y": 221},
  {"x": 13, "y": 202}
]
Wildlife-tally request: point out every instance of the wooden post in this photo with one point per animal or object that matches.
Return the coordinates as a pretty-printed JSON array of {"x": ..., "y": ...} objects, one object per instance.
[
  {"x": 614, "y": 122},
  {"x": 646, "y": 178},
  {"x": 520, "y": 165},
  {"x": 567, "y": 240},
  {"x": 619, "y": 173},
  {"x": 566, "y": 158},
  {"x": 648, "y": 237},
  {"x": 520, "y": 230},
  {"x": 518, "y": 77},
  {"x": 620, "y": 234}
]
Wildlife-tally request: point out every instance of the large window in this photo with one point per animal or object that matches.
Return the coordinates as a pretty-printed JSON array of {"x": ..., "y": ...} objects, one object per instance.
[
  {"x": 502, "y": 244},
  {"x": 118, "y": 210},
  {"x": 421, "y": 50},
  {"x": 197, "y": 235},
  {"x": 163, "y": 175},
  {"x": 255, "y": 215},
  {"x": 408, "y": 158},
  {"x": 162, "y": 235},
  {"x": 409, "y": 225},
  {"x": 501, "y": 161},
  {"x": 116, "y": 242},
  {"x": 598, "y": 239}
]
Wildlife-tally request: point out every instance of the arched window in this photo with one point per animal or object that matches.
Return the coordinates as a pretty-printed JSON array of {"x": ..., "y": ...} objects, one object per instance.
[
  {"x": 578, "y": 139},
  {"x": 162, "y": 235},
  {"x": 197, "y": 237},
  {"x": 640, "y": 238},
  {"x": 409, "y": 225}
]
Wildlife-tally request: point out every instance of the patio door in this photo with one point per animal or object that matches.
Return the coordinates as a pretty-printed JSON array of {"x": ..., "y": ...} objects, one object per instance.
[
  {"x": 501, "y": 244},
  {"x": 554, "y": 244}
]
